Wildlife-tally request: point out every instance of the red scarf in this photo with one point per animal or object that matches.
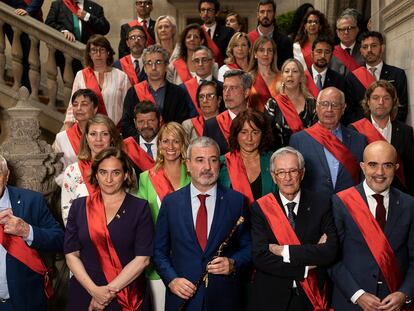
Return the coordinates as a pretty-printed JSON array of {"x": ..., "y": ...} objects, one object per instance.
[
  {"x": 336, "y": 147},
  {"x": 129, "y": 297},
  {"x": 253, "y": 36},
  {"x": 373, "y": 235},
  {"x": 150, "y": 41},
  {"x": 289, "y": 113},
  {"x": 85, "y": 169},
  {"x": 346, "y": 59},
  {"x": 213, "y": 47},
  {"x": 191, "y": 86},
  {"x": 74, "y": 134},
  {"x": 285, "y": 235},
  {"x": 160, "y": 182},
  {"x": 198, "y": 123},
  {"x": 310, "y": 83},
  {"x": 233, "y": 66},
  {"x": 181, "y": 67},
  {"x": 92, "y": 84},
  {"x": 71, "y": 5},
  {"x": 143, "y": 92},
  {"x": 364, "y": 76},
  {"x": 224, "y": 122},
  {"x": 129, "y": 69},
  {"x": 261, "y": 90},
  {"x": 137, "y": 154},
  {"x": 306, "y": 50},
  {"x": 238, "y": 175}
]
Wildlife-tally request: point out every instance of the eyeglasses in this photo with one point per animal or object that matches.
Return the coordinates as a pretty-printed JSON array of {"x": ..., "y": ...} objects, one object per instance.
[
  {"x": 327, "y": 104},
  {"x": 208, "y": 96},
  {"x": 386, "y": 166},
  {"x": 136, "y": 38},
  {"x": 312, "y": 22},
  {"x": 143, "y": 3},
  {"x": 97, "y": 50},
  {"x": 203, "y": 60},
  {"x": 292, "y": 173},
  {"x": 207, "y": 11},
  {"x": 346, "y": 29},
  {"x": 150, "y": 63},
  {"x": 385, "y": 98}
]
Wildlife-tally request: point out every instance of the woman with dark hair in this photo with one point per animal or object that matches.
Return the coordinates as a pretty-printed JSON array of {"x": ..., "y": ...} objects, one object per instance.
[
  {"x": 238, "y": 54},
  {"x": 208, "y": 100},
  {"x": 234, "y": 21},
  {"x": 298, "y": 18},
  {"x": 109, "y": 84},
  {"x": 314, "y": 23},
  {"x": 246, "y": 167},
  {"x": 108, "y": 240},
  {"x": 100, "y": 133},
  {"x": 182, "y": 68}
]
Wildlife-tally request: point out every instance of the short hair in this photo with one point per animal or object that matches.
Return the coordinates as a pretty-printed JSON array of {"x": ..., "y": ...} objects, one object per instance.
[
  {"x": 390, "y": 90},
  {"x": 146, "y": 106},
  {"x": 116, "y": 141},
  {"x": 253, "y": 60},
  {"x": 266, "y": 2},
  {"x": 89, "y": 94},
  {"x": 204, "y": 84},
  {"x": 203, "y": 48},
  {"x": 156, "y": 48},
  {"x": 173, "y": 25},
  {"x": 238, "y": 18},
  {"x": 183, "y": 49},
  {"x": 202, "y": 142},
  {"x": 215, "y": 2},
  {"x": 323, "y": 39},
  {"x": 246, "y": 79},
  {"x": 365, "y": 35},
  {"x": 331, "y": 88},
  {"x": 118, "y": 154},
  {"x": 349, "y": 15},
  {"x": 250, "y": 116},
  {"x": 284, "y": 151},
  {"x": 3, "y": 165},
  {"x": 303, "y": 81},
  {"x": 100, "y": 41},
  {"x": 229, "y": 51},
  {"x": 136, "y": 27}
]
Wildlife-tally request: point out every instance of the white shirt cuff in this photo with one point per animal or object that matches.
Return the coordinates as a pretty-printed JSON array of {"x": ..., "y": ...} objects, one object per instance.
[
  {"x": 29, "y": 239},
  {"x": 286, "y": 254},
  {"x": 357, "y": 294},
  {"x": 306, "y": 272},
  {"x": 87, "y": 16}
]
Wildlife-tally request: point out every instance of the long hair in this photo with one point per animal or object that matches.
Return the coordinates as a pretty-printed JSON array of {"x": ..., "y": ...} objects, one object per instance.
[
  {"x": 232, "y": 43},
  {"x": 324, "y": 28},
  {"x": 390, "y": 90},
  {"x": 253, "y": 65},
  {"x": 302, "y": 85},
  {"x": 183, "y": 53}
]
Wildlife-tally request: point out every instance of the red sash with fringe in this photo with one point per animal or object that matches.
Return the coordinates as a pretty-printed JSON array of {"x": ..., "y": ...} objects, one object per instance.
[
  {"x": 337, "y": 148},
  {"x": 364, "y": 76},
  {"x": 137, "y": 154},
  {"x": 213, "y": 47},
  {"x": 130, "y": 298},
  {"x": 160, "y": 182},
  {"x": 238, "y": 175},
  {"x": 71, "y": 5},
  {"x": 310, "y": 83},
  {"x": 143, "y": 92},
  {"x": 181, "y": 67},
  {"x": 198, "y": 123},
  {"x": 224, "y": 122},
  {"x": 150, "y": 41},
  {"x": 289, "y": 113},
  {"x": 346, "y": 59},
  {"x": 129, "y": 69},
  {"x": 373, "y": 235},
  {"x": 74, "y": 134},
  {"x": 285, "y": 235},
  {"x": 85, "y": 169},
  {"x": 92, "y": 84},
  {"x": 253, "y": 36},
  {"x": 306, "y": 50},
  {"x": 191, "y": 86}
]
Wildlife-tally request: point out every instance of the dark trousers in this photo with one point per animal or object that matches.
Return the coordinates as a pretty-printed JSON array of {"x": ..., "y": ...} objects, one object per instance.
[
  {"x": 299, "y": 301},
  {"x": 6, "y": 306},
  {"x": 60, "y": 62}
]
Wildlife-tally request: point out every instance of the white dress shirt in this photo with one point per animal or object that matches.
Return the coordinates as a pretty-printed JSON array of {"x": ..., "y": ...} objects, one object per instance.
[
  {"x": 386, "y": 131},
  {"x": 315, "y": 74},
  {"x": 142, "y": 143},
  {"x": 378, "y": 69},
  {"x": 212, "y": 29},
  {"x": 210, "y": 204},
  {"x": 348, "y": 47}
]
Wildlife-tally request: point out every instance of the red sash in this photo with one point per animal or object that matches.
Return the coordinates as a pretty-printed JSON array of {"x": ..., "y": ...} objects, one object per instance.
[
  {"x": 143, "y": 92},
  {"x": 374, "y": 237},
  {"x": 253, "y": 36},
  {"x": 160, "y": 182},
  {"x": 289, "y": 113},
  {"x": 260, "y": 90},
  {"x": 39, "y": 14},
  {"x": 310, "y": 83},
  {"x": 306, "y": 50},
  {"x": 336, "y": 147},
  {"x": 364, "y": 76},
  {"x": 367, "y": 129},
  {"x": 224, "y": 122},
  {"x": 233, "y": 66},
  {"x": 213, "y": 47},
  {"x": 238, "y": 175},
  {"x": 346, "y": 59},
  {"x": 130, "y": 298},
  {"x": 181, "y": 67},
  {"x": 137, "y": 154},
  {"x": 92, "y": 84},
  {"x": 85, "y": 169},
  {"x": 129, "y": 68},
  {"x": 17, "y": 248},
  {"x": 71, "y": 5},
  {"x": 150, "y": 41},
  {"x": 285, "y": 235},
  {"x": 74, "y": 134},
  {"x": 198, "y": 123},
  {"x": 191, "y": 86}
]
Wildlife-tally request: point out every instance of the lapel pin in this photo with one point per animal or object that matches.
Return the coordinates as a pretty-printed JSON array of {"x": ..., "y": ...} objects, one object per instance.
[
  {"x": 18, "y": 202},
  {"x": 117, "y": 216}
]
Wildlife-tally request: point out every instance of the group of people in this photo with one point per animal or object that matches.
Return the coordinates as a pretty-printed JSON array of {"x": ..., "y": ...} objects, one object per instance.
[{"x": 222, "y": 170}]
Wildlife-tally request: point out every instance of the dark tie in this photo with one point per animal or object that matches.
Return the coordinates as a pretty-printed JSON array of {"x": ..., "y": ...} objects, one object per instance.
[
  {"x": 380, "y": 210},
  {"x": 372, "y": 71},
  {"x": 144, "y": 24},
  {"x": 201, "y": 221},
  {"x": 319, "y": 81},
  {"x": 291, "y": 214},
  {"x": 149, "y": 150},
  {"x": 348, "y": 50},
  {"x": 209, "y": 32},
  {"x": 137, "y": 69}
]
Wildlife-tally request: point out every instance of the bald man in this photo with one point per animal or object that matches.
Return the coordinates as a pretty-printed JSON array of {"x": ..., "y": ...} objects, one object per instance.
[{"x": 375, "y": 224}]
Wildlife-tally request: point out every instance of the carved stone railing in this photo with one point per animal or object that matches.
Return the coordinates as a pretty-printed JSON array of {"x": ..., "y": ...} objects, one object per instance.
[{"x": 53, "y": 40}]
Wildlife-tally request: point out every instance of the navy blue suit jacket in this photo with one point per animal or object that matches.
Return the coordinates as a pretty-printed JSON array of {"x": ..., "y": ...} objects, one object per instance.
[
  {"x": 317, "y": 175},
  {"x": 178, "y": 254},
  {"x": 26, "y": 286},
  {"x": 357, "y": 268},
  {"x": 33, "y": 9}
]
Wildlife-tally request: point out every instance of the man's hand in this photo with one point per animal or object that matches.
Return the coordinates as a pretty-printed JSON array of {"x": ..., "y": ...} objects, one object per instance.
[
  {"x": 182, "y": 287},
  {"x": 20, "y": 12},
  {"x": 323, "y": 239},
  {"x": 14, "y": 225},
  {"x": 102, "y": 295},
  {"x": 95, "y": 306},
  {"x": 276, "y": 249},
  {"x": 69, "y": 36},
  {"x": 221, "y": 265},
  {"x": 393, "y": 301},
  {"x": 369, "y": 302},
  {"x": 81, "y": 14}
]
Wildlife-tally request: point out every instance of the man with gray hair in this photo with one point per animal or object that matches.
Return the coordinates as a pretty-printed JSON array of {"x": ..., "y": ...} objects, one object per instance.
[
  {"x": 236, "y": 89},
  {"x": 293, "y": 240},
  {"x": 192, "y": 224},
  {"x": 168, "y": 97},
  {"x": 26, "y": 226}
]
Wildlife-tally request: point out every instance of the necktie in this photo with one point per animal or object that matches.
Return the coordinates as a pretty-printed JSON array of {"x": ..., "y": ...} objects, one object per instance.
[
  {"x": 380, "y": 210},
  {"x": 76, "y": 27},
  {"x": 291, "y": 214},
  {"x": 209, "y": 32},
  {"x": 149, "y": 150},
  {"x": 201, "y": 221},
  {"x": 319, "y": 81},
  {"x": 137, "y": 69},
  {"x": 348, "y": 50},
  {"x": 144, "y": 23},
  {"x": 372, "y": 70}
]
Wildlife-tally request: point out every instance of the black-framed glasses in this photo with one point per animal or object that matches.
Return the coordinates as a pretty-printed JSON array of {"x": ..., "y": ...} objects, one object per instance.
[
  {"x": 158, "y": 62},
  {"x": 143, "y": 3},
  {"x": 136, "y": 38},
  {"x": 346, "y": 29},
  {"x": 97, "y": 50},
  {"x": 207, "y": 11}
]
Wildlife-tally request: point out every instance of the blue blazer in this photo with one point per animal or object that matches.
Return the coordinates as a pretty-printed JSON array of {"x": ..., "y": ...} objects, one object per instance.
[
  {"x": 317, "y": 175},
  {"x": 357, "y": 268},
  {"x": 178, "y": 254},
  {"x": 26, "y": 286}
]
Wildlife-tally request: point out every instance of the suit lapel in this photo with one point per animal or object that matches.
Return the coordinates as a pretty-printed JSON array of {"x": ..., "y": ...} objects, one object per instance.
[
  {"x": 394, "y": 211},
  {"x": 16, "y": 202},
  {"x": 320, "y": 153},
  {"x": 396, "y": 137},
  {"x": 219, "y": 216},
  {"x": 346, "y": 140},
  {"x": 188, "y": 215},
  {"x": 302, "y": 217}
]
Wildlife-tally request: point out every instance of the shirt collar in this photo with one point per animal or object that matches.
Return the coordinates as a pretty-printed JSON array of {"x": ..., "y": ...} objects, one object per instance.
[
  {"x": 209, "y": 78},
  {"x": 369, "y": 192},
  {"x": 376, "y": 124},
  {"x": 286, "y": 201},
  {"x": 270, "y": 35},
  {"x": 315, "y": 72},
  {"x": 142, "y": 19},
  {"x": 232, "y": 114},
  {"x": 379, "y": 67},
  {"x": 348, "y": 47},
  {"x": 143, "y": 141},
  {"x": 194, "y": 192},
  {"x": 5, "y": 200}
]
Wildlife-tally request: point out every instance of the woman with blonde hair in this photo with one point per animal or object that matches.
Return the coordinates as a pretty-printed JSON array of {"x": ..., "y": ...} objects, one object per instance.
[
  {"x": 165, "y": 34},
  {"x": 238, "y": 54}
]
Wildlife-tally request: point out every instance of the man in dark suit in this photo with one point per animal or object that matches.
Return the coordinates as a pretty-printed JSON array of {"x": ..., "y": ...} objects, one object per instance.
[
  {"x": 375, "y": 224},
  {"x": 372, "y": 49},
  {"x": 266, "y": 26},
  {"x": 26, "y": 226},
  {"x": 143, "y": 9},
  {"x": 331, "y": 151},
  {"x": 167, "y": 96},
  {"x": 191, "y": 225},
  {"x": 88, "y": 20},
  {"x": 282, "y": 265}
]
